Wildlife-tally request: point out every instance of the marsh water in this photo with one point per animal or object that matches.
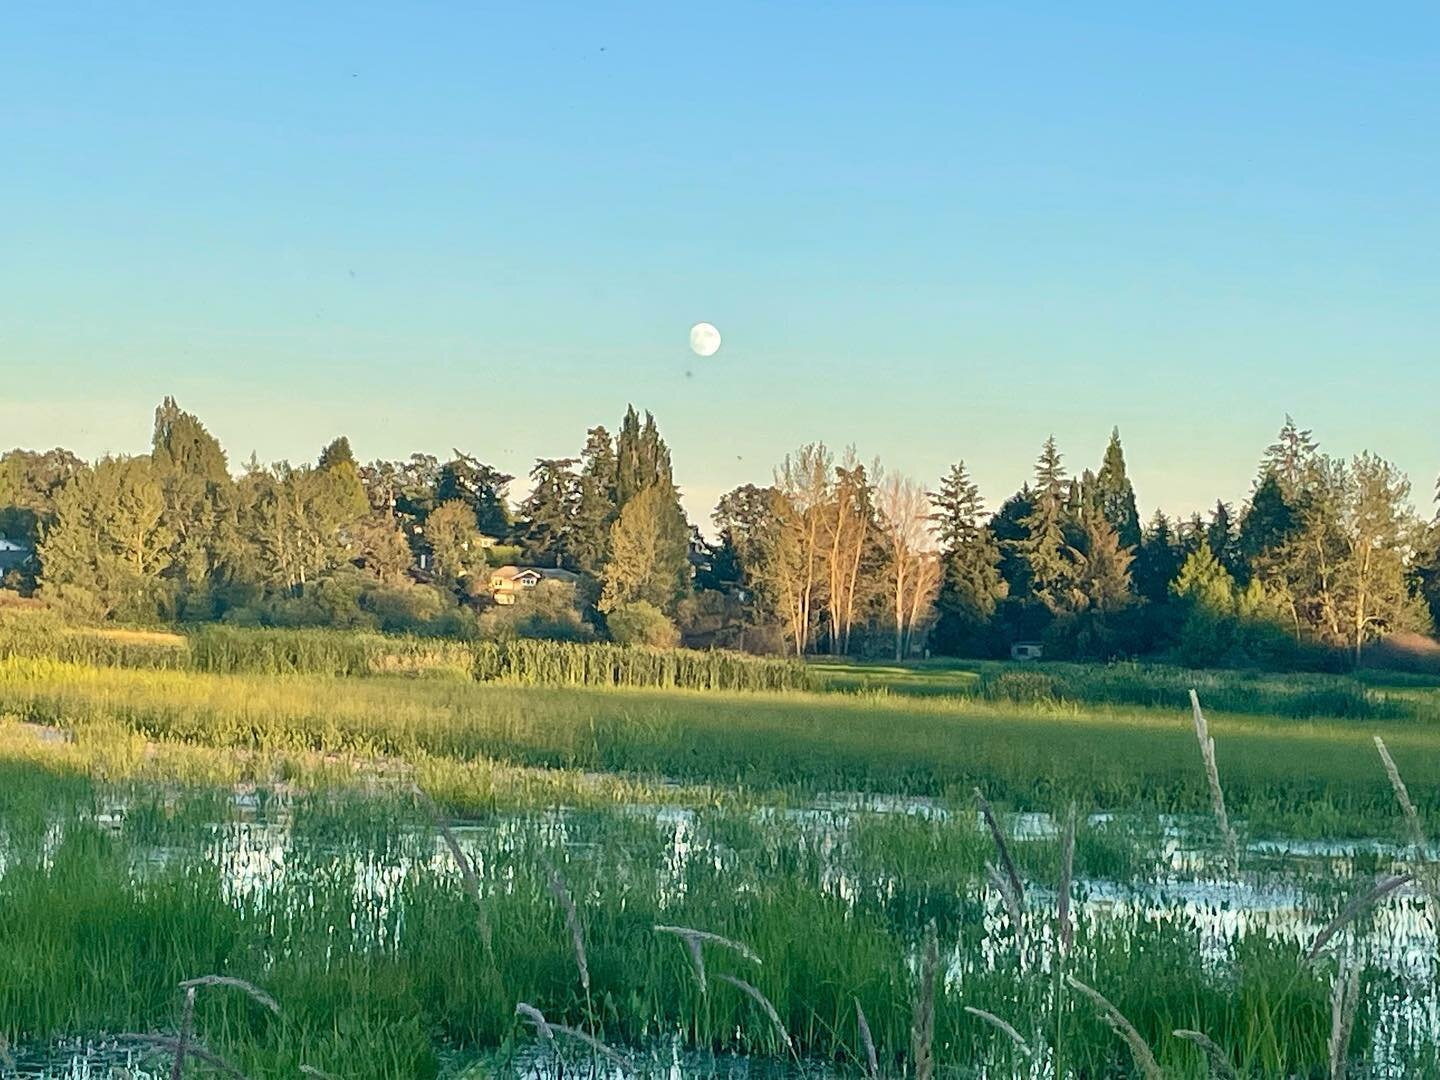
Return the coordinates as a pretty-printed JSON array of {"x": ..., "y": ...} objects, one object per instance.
[{"x": 1142, "y": 872}]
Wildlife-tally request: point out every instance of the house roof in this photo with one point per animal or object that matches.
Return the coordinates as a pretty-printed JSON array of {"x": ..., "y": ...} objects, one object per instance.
[{"x": 510, "y": 573}]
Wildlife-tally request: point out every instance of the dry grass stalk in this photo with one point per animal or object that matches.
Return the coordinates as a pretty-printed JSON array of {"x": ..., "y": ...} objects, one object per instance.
[
  {"x": 1344, "y": 997},
  {"x": 1218, "y": 1060},
  {"x": 467, "y": 871},
  {"x": 1140, "y": 1051},
  {"x": 1412, "y": 822},
  {"x": 1001, "y": 848},
  {"x": 1217, "y": 793},
  {"x": 537, "y": 1018},
  {"x": 170, "y": 1044},
  {"x": 1002, "y": 1026},
  {"x": 706, "y": 937},
  {"x": 1357, "y": 904},
  {"x": 1064, "y": 924},
  {"x": 572, "y": 923},
  {"x": 867, "y": 1041},
  {"x": 255, "y": 993},
  {"x": 187, "y": 1027},
  {"x": 765, "y": 1005},
  {"x": 922, "y": 1031},
  {"x": 999, "y": 883},
  {"x": 310, "y": 1070},
  {"x": 609, "y": 1053}
]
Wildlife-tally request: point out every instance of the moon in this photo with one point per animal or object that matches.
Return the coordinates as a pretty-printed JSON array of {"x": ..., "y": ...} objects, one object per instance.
[{"x": 704, "y": 339}]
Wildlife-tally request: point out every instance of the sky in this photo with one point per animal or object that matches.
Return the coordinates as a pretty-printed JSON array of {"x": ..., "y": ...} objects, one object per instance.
[{"x": 935, "y": 231}]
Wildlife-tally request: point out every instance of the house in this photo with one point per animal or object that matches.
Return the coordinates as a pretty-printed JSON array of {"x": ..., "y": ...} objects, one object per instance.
[
  {"x": 12, "y": 555},
  {"x": 508, "y": 582},
  {"x": 1027, "y": 650}
]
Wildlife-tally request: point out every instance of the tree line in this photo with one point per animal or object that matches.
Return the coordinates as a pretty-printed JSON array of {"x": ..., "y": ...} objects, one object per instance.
[{"x": 835, "y": 555}]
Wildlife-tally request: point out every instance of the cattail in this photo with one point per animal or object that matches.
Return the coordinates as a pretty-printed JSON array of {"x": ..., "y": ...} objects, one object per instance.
[
  {"x": 1064, "y": 924},
  {"x": 467, "y": 870},
  {"x": 1001, "y": 848},
  {"x": 187, "y": 1025},
  {"x": 1357, "y": 904},
  {"x": 922, "y": 1031},
  {"x": 1412, "y": 822},
  {"x": 1218, "y": 1060},
  {"x": 1217, "y": 793},
  {"x": 255, "y": 993},
  {"x": 1344, "y": 997},
  {"x": 765, "y": 1005},
  {"x": 1140, "y": 1051},
  {"x": 1002, "y": 1026},
  {"x": 867, "y": 1041},
  {"x": 572, "y": 922}
]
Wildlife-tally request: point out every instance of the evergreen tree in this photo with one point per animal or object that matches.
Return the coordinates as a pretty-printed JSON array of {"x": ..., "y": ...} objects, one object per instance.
[
  {"x": 971, "y": 585},
  {"x": 30, "y": 481},
  {"x": 595, "y": 504},
  {"x": 1045, "y": 549},
  {"x": 549, "y": 511},
  {"x": 1101, "y": 573},
  {"x": 1116, "y": 496},
  {"x": 1220, "y": 534},
  {"x": 1158, "y": 560},
  {"x": 1290, "y": 457},
  {"x": 455, "y": 542},
  {"x": 201, "y": 512}
]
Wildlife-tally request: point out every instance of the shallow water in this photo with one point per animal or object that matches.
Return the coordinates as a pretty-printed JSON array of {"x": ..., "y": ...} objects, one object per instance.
[{"x": 1288, "y": 889}]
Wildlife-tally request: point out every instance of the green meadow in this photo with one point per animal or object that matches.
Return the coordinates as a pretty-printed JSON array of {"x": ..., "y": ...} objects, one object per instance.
[{"x": 288, "y": 813}]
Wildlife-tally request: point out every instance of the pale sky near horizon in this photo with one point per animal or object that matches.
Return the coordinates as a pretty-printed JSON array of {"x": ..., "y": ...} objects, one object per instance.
[{"x": 934, "y": 231}]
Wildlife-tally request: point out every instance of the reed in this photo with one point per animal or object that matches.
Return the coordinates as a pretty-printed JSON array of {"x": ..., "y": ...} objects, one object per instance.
[
  {"x": 867, "y": 1042},
  {"x": 922, "y": 1031},
  {"x": 1003, "y": 1026},
  {"x": 1344, "y": 999},
  {"x": 1216, "y": 1060},
  {"x": 1140, "y": 1051},
  {"x": 1351, "y": 911},
  {"x": 1217, "y": 793}
]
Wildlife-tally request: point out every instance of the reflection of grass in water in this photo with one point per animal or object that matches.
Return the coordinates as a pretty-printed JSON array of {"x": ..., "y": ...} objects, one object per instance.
[{"x": 97, "y": 939}]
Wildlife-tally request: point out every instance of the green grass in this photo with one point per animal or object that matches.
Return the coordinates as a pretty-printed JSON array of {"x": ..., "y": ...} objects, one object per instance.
[
  {"x": 1026, "y": 755},
  {"x": 372, "y": 946}
]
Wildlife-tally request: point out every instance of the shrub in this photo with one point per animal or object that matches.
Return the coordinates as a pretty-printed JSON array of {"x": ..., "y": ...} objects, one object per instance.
[{"x": 642, "y": 623}]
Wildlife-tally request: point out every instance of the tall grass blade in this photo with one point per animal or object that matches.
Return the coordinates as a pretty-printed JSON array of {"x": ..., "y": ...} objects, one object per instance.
[
  {"x": 1418, "y": 839},
  {"x": 255, "y": 993},
  {"x": 1357, "y": 904},
  {"x": 922, "y": 1031},
  {"x": 1217, "y": 793},
  {"x": 1344, "y": 997},
  {"x": 867, "y": 1042},
  {"x": 1001, "y": 848},
  {"x": 537, "y": 1019},
  {"x": 572, "y": 923},
  {"x": 1064, "y": 923},
  {"x": 187, "y": 1027},
  {"x": 1215, "y": 1057},
  {"x": 171, "y": 1045},
  {"x": 467, "y": 871},
  {"x": 609, "y": 1053},
  {"x": 708, "y": 938},
  {"x": 766, "y": 1006},
  {"x": 1140, "y": 1051},
  {"x": 1003, "y": 1026}
]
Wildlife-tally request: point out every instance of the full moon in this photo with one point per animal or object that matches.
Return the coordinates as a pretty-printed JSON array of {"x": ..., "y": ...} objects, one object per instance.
[{"x": 704, "y": 339}]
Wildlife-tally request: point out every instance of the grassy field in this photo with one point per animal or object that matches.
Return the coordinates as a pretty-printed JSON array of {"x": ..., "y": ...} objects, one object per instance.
[{"x": 159, "y": 822}]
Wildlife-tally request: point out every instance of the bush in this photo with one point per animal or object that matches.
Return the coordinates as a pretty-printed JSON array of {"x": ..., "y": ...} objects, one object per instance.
[
  {"x": 550, "y": 611},
  {"x": 642, "y": 623}
]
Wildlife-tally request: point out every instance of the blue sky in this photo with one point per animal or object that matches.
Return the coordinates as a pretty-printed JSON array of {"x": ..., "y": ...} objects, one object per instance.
[{"x": 935, "y": 231}]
